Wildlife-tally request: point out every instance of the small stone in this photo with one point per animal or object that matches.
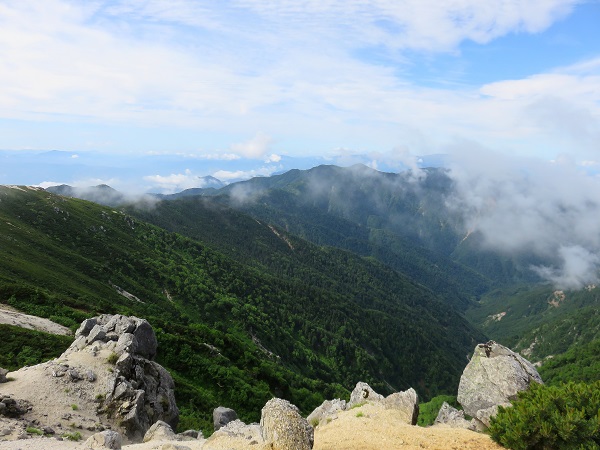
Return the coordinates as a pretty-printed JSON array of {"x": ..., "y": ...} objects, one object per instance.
[{"x": 222, "y": 416}]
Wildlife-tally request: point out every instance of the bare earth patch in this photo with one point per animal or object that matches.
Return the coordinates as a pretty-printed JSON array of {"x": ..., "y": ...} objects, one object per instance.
[
  {"x": 379, "y": 428},
  {"x": 11, "y": 316}
]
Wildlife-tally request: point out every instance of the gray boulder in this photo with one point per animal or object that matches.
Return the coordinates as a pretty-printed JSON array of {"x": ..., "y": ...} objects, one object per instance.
[
  {"x": 493, "y": 377},
  {"x": 406, "y": 402},
  {"x": 105, "y": 440},
  {"x": 284, "y": 428},
  {"x": 363, "y": 393},
  {"x": 3, "y": 373},
  {"x": 222, "y": 416},
  {"x": 452, "y": 417},
  {"x": 160, "y": 431},
  {"x": 11, "y": 407},
  {"x": 326, "y": 412}
]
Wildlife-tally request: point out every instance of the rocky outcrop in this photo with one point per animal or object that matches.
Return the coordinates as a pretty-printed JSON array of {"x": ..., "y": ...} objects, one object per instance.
[
  {"x": 139, "y": 391},
  {"x": 327, "y": 412},
  {"x": 493, "y": 377},
  {"x": 222, "y": 416},
  {"x": 407, "y": 402},
  {"x": 284, "y": 428},
  {"x": 131, "y": 334}
]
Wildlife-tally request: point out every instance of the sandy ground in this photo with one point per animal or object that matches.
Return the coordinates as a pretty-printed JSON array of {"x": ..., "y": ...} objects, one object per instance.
[
  {"x": 383, "y": 429},
  {"x": 374, "y": 429},
  {"x": 10, "y": 316}
]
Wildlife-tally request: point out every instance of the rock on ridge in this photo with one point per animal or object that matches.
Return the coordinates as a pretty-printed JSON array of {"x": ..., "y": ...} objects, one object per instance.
[
  {"x": 452, "y": 417},
  {"x": 494, "y": 376},
  {"x": 407, "y": 402},
  {"x": 139, "y": 391},
  {"x": 284, "y": 428},
  {"x": 326, "y": 412}
]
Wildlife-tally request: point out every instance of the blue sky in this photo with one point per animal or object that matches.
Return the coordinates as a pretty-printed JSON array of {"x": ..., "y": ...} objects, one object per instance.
[{"x": 239, "y": 87}]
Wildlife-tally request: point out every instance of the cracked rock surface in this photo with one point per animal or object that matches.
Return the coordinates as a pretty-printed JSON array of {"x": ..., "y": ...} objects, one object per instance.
[
  {"x": 106, "y": 379},
  {"x": 493, "y": 377}
]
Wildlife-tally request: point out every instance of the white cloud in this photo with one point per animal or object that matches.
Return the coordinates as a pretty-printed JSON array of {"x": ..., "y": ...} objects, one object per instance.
[
  {"x": 175, "y": 182},
  {"x": 228, "y": 176},
  {"x": 219, "y": 156},
  {"x": 532, "y": 207},
  {"x": 273, "y": 158},
  {"x": 254, "y": 148}
]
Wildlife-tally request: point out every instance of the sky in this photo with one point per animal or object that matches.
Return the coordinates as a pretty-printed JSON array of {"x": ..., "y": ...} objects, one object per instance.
[{"x": 256, "y": 80}]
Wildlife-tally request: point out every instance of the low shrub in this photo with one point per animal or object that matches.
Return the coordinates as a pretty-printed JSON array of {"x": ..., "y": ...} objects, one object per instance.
[
  {"x": 74, "y": 436},
  {"x": 551, "y": 417}
]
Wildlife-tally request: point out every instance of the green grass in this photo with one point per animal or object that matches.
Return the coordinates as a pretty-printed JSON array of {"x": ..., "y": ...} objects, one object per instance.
[{"x": 72, "y": 436}]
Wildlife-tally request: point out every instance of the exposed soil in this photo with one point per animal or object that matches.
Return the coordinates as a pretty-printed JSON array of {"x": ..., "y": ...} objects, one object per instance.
[{"x": 11, "y": 316}]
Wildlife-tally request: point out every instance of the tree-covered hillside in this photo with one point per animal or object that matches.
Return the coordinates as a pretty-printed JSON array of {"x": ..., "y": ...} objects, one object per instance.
[
  {"x": 400, "y": 221},
  {"x": 233, "y": 328}
]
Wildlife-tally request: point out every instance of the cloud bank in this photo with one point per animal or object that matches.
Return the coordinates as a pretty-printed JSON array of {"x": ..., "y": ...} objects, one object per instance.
[{"x": 548, "y": 209}]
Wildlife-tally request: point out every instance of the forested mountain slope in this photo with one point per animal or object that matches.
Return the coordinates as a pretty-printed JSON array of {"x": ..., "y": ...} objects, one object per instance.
[
  {"x": 233, "y": 332},
  {"x": 401, "y": 222}
]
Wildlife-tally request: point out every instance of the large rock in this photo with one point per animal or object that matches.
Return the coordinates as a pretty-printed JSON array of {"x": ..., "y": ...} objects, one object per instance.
[
  {"x": 11, "y": 407},
  {"x": 452, "y": 417},
  {"x": 493, "y": 377},
  {"x": 132, "y": 334},
  {"x": 160, "y": 431},
  {"x": 222, "y": 416},
  {"x": 107, "y": 439},
  {"x": 363, "y": 393},
  {"x": 284, "y": 428},
  {"x": 326, "y": 412},
  {"x": 407, "y": 402}
]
